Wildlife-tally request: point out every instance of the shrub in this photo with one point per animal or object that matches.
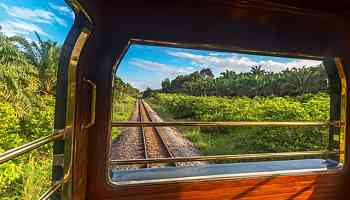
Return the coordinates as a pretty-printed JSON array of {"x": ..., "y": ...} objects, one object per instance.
[{"x": 310, "y": 107}]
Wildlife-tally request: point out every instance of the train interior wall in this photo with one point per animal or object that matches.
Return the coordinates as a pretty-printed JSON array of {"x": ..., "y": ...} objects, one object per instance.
[{"x": 224, "y": 27}]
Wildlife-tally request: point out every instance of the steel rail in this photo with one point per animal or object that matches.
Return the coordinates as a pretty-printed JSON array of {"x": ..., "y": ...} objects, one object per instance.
[
  {"x": 54, "y": 188},
  {"x": 230, "y": 124},
  {"x": 142, "y": 133},
  {"x": 18, "y": 151},
  {"x": 157, "y": 132},
  {"x": 239, "y": 157}
]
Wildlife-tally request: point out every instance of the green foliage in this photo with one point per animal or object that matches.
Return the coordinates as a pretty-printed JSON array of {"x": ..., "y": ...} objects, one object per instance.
[
  {"x": 257, "y": 82},
  {"x": 310, "y": 107},
  {"x": 124, "y": 100},
  {"x": 121, "y": 111},
  {"x": 16, "y": 176},
  {"x": 9, "y": 127},
  {"x": 44, "y": 55},
  {"x": 121, "y": 89},
  {"x": 37, "y": 176},
  {"x": 18, "y": 78},
  {"x": 123, "y": 107},
  {"x": 11, "y": 180},
  {"x": 39, "y": 121},
  {"x": 210, "y": 108},
  {"x": 26, "y": 113},
  {"x": 9, "y": 53},
  {"x": 10, "y": 172}
]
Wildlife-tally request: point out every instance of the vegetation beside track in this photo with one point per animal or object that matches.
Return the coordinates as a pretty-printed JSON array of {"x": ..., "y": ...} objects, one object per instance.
[
  {"x": 124, "y": 102},
  {"x": 212, "y": 141}
]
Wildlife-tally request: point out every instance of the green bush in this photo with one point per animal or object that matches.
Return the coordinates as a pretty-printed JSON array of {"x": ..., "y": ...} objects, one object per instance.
[
  {"x": 122, "y": 109},
  {"x": 310, "y": 107},
  {"x": 29, "y": 175}
]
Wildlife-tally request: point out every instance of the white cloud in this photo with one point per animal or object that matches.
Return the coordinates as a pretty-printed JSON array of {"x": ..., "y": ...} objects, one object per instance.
[
  {"x": 278, "y": 66},
  {"x": 219, "y": 63},
  {"x": 18, "y": 27},
  {"x": 33, "y": 15},
  {"x": 162, "y": 71},
  {"x": 160, "y": 67},
  {"x": 63, "y": 10},
  {"x": 143, "y": 85}
]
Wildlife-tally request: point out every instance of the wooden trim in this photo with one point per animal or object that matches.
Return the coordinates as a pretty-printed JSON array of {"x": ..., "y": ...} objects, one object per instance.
[{"x": 239, "y": 157}]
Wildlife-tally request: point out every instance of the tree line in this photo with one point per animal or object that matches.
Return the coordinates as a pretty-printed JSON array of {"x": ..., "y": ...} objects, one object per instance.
[
  {"x": 256, "y": 82},
  {"x": 122, "y": 89}
]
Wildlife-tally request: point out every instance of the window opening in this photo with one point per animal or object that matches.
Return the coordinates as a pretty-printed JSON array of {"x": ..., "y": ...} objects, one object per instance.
[{"x": 184, "y": 113}]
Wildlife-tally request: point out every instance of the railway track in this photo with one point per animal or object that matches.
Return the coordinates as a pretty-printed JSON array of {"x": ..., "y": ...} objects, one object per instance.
[
  {"x": 153, "y": 143},
  {"x": 145, "y": 142}
]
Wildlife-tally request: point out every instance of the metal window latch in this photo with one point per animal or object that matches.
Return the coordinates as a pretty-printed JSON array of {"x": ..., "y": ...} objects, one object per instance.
[
  {"x": 58, "y": 160},
  {"x": 93, "y": 105}
]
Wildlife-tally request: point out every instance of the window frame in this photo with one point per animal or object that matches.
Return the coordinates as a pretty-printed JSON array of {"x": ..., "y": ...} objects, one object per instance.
[{"x": 341, "y": 123}]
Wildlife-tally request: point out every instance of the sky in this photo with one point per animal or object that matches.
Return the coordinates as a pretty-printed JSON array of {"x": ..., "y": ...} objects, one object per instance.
[
  {"x": 51, "y": 19},
  {"x": 146, "y": 66}
]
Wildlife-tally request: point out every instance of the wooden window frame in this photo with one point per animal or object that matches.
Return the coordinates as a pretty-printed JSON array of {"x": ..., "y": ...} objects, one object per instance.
[{"x": 340, "y": 123}]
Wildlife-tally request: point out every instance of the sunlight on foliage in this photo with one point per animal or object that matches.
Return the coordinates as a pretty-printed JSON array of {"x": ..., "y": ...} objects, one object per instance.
[
  {"x": 26, "y": 113},
  {"x": 212, "y": 141}
]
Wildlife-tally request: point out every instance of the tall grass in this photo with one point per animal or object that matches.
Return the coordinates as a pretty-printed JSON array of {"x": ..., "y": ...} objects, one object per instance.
[
  {"x": 121, "y": 111},
  {"x": 36, "y": 177}
]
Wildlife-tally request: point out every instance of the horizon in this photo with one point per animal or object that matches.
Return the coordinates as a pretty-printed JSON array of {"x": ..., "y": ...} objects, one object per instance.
[{"x": 143, "y": 61}]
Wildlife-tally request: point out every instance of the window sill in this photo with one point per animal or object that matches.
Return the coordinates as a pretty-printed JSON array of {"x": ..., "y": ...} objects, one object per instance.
[{"x": 213, "y": 171}]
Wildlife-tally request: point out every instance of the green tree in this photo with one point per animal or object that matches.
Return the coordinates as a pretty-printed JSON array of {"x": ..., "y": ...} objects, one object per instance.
[
  {"x": 44, "y": 55},
  {"x": 121, "y": 88},
  {"x": 206, "y": 74},
  {"x": 256, "y": 82},
  {"x": 303, "y": 80},
  {"x": 166, "y": 84},
  {"x": 18, "y": 80}
]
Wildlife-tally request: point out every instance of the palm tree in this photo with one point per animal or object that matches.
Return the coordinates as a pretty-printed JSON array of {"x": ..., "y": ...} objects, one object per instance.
[
  {"x": 44, "y": 56},
  {"x": 298, "y": 81},
  {"x": 257, "y": 70},
  {"x": 9, "y": 54},
  {"x": 17, "y": 76}
]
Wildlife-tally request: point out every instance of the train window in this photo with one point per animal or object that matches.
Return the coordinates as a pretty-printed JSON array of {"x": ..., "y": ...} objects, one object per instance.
[{"x": 183, "y": 113}]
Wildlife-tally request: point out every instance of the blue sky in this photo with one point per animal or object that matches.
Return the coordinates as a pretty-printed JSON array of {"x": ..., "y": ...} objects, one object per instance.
[
  {"x": 52, "y": 19},
  {"x": 146, "y": 66}
]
